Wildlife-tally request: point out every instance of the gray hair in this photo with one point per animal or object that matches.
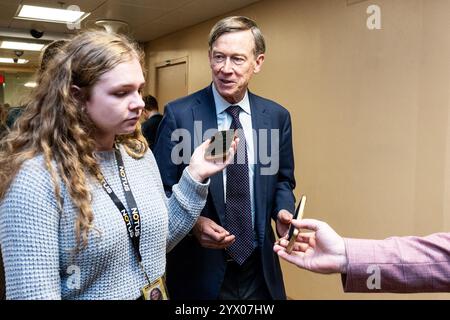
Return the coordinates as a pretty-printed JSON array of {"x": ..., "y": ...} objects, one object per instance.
[{"x": 235, "y": 24}]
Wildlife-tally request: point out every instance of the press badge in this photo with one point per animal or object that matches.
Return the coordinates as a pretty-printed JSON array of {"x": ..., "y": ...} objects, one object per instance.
[{"x": 155, "y": 290}]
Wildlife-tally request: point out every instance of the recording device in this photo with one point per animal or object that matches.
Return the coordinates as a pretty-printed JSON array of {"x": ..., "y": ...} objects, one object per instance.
[
  {"x": 293, "y": 232},
  {"x": 219, "y": 145}
]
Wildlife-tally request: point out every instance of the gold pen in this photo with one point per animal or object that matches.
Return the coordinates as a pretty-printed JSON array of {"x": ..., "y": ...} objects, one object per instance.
[{"x": 293, "y": 232}]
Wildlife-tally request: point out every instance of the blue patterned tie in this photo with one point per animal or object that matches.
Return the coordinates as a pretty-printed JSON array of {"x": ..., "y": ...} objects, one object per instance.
[{"x": 238, "y": 214}]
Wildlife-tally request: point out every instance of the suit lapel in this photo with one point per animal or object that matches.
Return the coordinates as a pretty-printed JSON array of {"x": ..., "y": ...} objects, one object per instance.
[
  {"x": 205, "y": 113},
  {"x": 260, "y": 120}
]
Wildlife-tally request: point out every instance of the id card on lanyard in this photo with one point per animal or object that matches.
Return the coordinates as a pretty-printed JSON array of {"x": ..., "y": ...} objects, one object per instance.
[{"x": 155, "y": 290}]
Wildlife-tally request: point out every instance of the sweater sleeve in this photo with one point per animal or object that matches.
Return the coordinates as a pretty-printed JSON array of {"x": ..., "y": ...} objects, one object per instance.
[
  {"x": 185, "y": 204},
  {"x": 29, "y": 224}
]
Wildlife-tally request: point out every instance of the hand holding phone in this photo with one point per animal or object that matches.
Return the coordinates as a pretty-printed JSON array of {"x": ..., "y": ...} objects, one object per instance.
[
  {"x": 293, "y": 232},
  {"x": 220, "y": 144}
]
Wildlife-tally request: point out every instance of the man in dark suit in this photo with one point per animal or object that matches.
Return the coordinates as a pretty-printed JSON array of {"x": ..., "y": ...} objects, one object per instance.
[
  {"x": 152, "y": 119},
  {"x": 228, "y": 254}
]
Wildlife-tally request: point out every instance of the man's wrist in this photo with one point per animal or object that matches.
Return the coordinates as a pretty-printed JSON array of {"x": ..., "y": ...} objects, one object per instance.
[{"x": 344, "y": 264}]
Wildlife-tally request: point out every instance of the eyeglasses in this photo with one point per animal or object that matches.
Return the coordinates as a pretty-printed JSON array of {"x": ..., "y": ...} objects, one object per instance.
[{"x": 219, "y": 59}]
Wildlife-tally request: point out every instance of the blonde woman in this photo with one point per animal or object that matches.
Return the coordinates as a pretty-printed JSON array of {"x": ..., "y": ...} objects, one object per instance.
[{"x": 83, "y": 213}]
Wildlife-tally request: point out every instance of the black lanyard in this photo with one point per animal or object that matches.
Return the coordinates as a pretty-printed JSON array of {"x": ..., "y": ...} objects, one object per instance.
[{"x": 133, "y": 222}]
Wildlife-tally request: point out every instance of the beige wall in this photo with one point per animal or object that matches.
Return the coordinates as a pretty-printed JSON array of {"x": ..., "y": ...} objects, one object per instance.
[{"x": 370, "y": 113}]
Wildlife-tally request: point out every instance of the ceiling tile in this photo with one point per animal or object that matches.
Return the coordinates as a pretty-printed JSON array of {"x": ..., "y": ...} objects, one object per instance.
[
  {"x": 201, "y": 10},
  {"x": 148, "y": 19},
  {"x": 10, "y": 2},
  {"x": 133, "y": 14},
  {"x": 165, "y": 5},
  {"x": 154, "y": 30},
  {"x": 6, "y": 13}
]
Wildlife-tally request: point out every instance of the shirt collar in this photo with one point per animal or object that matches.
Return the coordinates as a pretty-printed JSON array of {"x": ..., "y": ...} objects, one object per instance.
[{"x": 222, "y": 104}]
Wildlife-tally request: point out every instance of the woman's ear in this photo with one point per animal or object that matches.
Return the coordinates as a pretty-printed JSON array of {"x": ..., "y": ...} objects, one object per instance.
[{"x": 77, "y": 92}]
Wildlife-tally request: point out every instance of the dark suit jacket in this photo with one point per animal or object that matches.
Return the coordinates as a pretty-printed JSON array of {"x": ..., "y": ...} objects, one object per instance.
[
  {"x": 194, "y": 272},
  {"x": 149, "y": 129}
]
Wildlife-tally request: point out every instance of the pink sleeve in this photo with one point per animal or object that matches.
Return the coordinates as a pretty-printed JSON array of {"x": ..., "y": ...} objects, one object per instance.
[{"x": 398, "y": 264}]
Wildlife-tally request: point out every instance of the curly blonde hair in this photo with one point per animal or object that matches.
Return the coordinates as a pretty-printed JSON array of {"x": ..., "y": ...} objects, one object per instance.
[{"x": 55, "y": 124}]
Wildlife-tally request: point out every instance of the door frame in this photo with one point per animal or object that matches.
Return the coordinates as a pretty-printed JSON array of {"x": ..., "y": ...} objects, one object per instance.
[{"x": 165, "y": 63}]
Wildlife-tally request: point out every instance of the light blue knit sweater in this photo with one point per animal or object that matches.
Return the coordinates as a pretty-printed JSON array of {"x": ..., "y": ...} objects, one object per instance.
[{"x": 37, "y": 239}]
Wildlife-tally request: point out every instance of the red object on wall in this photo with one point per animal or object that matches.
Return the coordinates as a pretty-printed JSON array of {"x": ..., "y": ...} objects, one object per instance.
[{"x": 2, "y": 79}]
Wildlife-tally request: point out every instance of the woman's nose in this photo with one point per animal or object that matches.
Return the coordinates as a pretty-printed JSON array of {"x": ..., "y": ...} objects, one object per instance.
[{"x": 138, "y": 102}]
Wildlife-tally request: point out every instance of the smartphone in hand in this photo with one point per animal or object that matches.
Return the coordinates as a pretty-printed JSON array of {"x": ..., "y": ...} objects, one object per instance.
[
  {"x": 220, "y": 144},
  {"x": 293, "y": 232}
]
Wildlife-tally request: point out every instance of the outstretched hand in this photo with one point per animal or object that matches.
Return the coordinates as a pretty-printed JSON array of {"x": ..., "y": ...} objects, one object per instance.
[
  {"x": 322, "y": 250},
  {"x": 201, "y": 168}
]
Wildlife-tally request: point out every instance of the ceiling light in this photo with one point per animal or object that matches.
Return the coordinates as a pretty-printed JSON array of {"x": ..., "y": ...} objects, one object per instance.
[
  {"x": 27, "y": 12},
  {"x": 30, "y": 84},
  {"x": 21, "y": 45},
  {"x": 11, "y": 60}
]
